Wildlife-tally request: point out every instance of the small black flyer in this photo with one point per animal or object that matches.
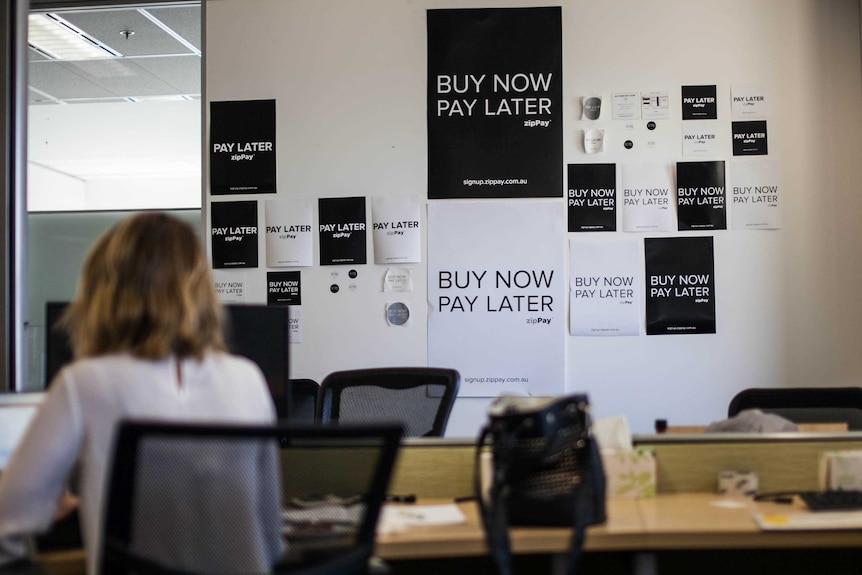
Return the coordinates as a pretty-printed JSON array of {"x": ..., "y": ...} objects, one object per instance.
[
  {"x": 680, "y": 285},
  {"x": 342, "y": 231},
  {"x": 233, "y": 229},
  {"x": 701, "y": 196},
  {"x": 283, "y": 288},
  {"x": 749, "y": 138},
  {"x": 699, "y": 103},
  {"x": 592, "y": 197},
  {"x": 494, "y": 102},
  {"x": 242, "y": 147}
]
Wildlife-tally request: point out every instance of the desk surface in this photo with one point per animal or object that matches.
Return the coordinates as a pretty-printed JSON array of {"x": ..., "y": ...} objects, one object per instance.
[{"x": 683, "y": 521}]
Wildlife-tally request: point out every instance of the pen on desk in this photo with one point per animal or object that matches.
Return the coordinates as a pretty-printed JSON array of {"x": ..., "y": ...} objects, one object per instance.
[{"x": 401, "y": 498}]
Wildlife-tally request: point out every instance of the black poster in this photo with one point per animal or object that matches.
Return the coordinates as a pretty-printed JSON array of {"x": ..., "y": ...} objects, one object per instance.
[
  {"x": 242, "y": 147},
  {"x": 495, "y": 125},
  {"x": 283, "y": 288},
  {"x": 680, "y": 285},
  {"x": 592, "y": 197},
  {"x": 699, "y": 103},
  {"x": 342, "y": 230},
  {"x": 234, "y": 234},
  {"x": 749, "y": 138},
  {"x": 701, "y": 196}
]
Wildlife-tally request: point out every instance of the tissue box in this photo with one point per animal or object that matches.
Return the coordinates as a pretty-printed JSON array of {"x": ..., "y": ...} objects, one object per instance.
[
  {"x": 841, "y": 470},
  {"x": 630, "y": 473}
]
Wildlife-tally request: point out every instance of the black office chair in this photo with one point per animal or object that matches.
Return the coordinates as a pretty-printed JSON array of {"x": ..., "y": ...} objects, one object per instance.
[
  {"x": 804, "y": 404},
  {"x": 200, "y": 499},
  {"x": 420, "y": 398}
]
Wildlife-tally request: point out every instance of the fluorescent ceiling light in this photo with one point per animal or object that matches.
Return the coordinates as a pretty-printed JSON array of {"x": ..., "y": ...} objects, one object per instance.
[{"x": 59, "y": 40}]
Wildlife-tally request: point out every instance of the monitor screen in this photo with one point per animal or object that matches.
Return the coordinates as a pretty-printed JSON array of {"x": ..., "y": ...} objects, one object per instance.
[
  {"x": 257, "y": 332},
  {"x": 16, "y": 411},
  {"x": 260, "y": 333},
  {"x": 58, "y": 352}
]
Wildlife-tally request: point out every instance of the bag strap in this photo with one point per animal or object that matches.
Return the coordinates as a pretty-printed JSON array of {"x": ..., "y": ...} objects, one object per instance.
[
  {"x": 495, "y": 517},
  {"x": 493, "y": 513}
]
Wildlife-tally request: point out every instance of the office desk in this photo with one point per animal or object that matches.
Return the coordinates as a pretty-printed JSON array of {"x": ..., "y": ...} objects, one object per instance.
[{"x": 680, "y": 522}]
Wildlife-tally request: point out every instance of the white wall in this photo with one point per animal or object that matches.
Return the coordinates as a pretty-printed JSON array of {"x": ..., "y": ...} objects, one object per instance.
[{"x": 349, "y": 80}]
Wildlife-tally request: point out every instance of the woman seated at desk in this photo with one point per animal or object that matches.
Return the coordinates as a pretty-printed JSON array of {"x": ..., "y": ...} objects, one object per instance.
[{"x": 146, "y": 330}]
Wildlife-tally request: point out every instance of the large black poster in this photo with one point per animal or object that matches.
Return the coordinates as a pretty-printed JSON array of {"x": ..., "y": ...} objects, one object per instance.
[
  {"x": 495, "y": 103},
  {"x": 242, "y": 147},
  {"x": 592, "y": 197},
  {"x": 342, "y": 230},
  {"x": 680, "y": 285},
  {"x": 701, "y": 196},
  {"x": 234, "y": 234}
]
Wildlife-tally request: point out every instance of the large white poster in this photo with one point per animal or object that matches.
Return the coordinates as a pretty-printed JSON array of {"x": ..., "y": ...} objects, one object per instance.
[
  {"x": 647, "y": 198},
  {"x": 289, "y": 235},
  {"x": 395, "y": 228},
  {"x": 755, "y": 195},
  {"x": 496, "y": 291},
  {"x": 605, "y": 283}
]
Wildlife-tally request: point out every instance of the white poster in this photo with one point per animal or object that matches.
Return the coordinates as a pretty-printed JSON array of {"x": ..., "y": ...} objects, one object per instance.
[
  {"x": 647, "y": 198},
  {"x": 230, "y": 285},
  {"x": 289, "y": 235},
  {"x": 294, "y": 324},
  {"x": 496, "y": 295},
  {"x": 655, "y": 106},
  {"x": 605, "y": 283},
  {"x": 755, "y": 194},
  {"x": 626, "y": 106},
  {"x": 396, "y": 233},
  {"x": 748, "y": 102},
  {"x": 700, "y": 138}
]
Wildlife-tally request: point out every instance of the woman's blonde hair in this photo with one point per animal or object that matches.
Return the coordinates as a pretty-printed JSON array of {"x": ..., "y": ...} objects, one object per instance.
[{"x": 145, "y": 288}]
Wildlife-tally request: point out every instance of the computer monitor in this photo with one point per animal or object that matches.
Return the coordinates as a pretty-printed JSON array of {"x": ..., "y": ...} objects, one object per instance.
[
  {"x": 16, "y": 411},
  {"x": 260, "y": 333},
  {"x": 58, "y": 351}
]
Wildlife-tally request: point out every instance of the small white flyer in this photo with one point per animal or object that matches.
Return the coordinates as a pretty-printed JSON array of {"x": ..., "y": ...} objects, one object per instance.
[
  {"x": 396, "y": 229},
  {"x": 700, "y": 138},
  {"x": 294, "y": 324},
  {"x": 748, "y": 102},
  {"x": 230, "y": 285},
  {"x": 626, "y": 106},
  {"x": 655, "y": 106},
  {"x": 398, "y": 280},
  {"x": 289, "y": 235},
  {"x": 648, "y": 199}
]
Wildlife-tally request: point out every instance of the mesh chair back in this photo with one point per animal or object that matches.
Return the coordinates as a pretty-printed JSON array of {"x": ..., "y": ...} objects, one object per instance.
[
  {"x": 804, "y": 404},
  {"x": 196, "y": 499},
  {"x": 419, "y": 398}
]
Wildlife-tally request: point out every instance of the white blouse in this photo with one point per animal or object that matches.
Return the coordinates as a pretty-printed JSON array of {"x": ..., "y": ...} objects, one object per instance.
[{"x": 75, "y": 427}]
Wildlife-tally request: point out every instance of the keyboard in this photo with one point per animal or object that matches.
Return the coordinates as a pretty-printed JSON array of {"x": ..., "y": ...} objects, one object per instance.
[{"x": 832, "y": 500}]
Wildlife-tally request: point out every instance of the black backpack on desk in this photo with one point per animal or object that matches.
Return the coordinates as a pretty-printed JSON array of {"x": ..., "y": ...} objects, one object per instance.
[{"x": 546, "y": 472}]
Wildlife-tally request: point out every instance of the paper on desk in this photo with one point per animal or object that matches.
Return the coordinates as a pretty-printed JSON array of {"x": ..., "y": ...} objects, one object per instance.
[
  {"x": 396, "y": 518},
  {"x": 821, "y": 520}
]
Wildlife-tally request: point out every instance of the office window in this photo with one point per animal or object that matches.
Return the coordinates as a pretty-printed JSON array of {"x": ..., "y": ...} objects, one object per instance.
[{"x": 114, "y": 127}]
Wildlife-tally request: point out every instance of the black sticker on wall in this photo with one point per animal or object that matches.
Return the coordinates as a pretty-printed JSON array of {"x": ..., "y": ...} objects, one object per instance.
[
  {"x": 592, "y": 197},
  {"x": 342, "y": 230},
  {"x": 749, "y": 138},
  {"x": 234, "y": 234},
  {"x": 283, "y": 288},
  {"x": 701, "y": 196},
  {"x": 699, "y": 103},
  {"x": 242, "y": 147},
  {"x": 680, "y": 286}
]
